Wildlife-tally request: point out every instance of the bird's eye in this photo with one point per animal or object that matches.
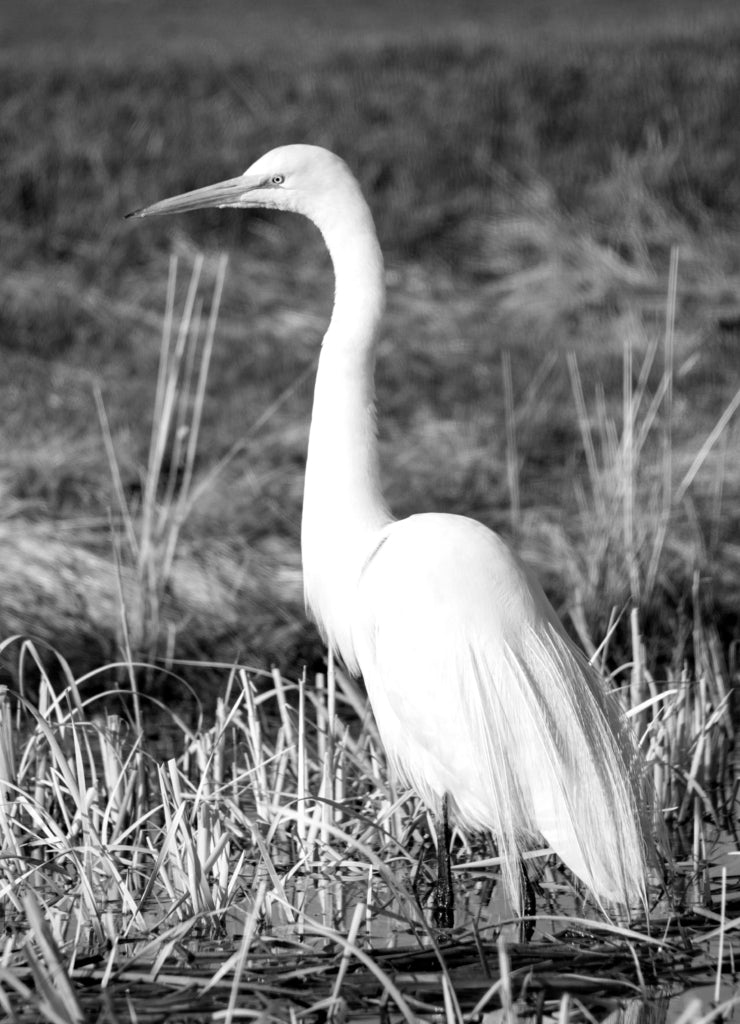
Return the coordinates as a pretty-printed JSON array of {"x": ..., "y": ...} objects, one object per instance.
[{"x": 277, "y": 179}]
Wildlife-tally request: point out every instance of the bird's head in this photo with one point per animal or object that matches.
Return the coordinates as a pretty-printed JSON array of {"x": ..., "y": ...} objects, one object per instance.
[{"x": 303, "y": 179}]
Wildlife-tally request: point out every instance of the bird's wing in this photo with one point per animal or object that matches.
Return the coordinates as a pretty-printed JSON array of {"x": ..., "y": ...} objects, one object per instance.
[{"x": 478, "y": 693}]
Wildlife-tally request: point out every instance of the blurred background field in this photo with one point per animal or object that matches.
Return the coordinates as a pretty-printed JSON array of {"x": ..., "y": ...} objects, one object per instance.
[{"x": 531, "y": 170}]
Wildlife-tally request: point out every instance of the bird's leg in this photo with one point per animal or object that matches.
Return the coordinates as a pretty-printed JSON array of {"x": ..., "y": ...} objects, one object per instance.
[
  {"x": 528, "y": 903},
  {"x": 443, "y": 912}
]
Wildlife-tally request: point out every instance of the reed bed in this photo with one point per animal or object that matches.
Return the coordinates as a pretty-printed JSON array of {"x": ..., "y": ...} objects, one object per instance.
[{"x": 270, "y": 867}]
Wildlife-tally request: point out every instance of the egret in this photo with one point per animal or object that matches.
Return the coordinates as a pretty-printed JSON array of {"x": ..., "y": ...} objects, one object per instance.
[{"x": 481, "y": 699}]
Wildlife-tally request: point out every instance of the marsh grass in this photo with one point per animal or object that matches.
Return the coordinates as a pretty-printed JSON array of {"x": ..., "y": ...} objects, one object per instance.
[
  {"x": 150, "y": 532},
  {"x": 636, "y": 509},
  {"x": 269, "y": 865}
]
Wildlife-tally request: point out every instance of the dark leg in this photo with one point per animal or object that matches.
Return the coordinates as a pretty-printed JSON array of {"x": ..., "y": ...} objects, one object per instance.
[
  {"x": 443, "y": 912},
  {"x": 528, "y": 903}
]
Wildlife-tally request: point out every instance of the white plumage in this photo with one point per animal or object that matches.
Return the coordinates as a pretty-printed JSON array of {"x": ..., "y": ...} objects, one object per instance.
[
  {"x": 479, "y": 693},
  {"x": 477, "y": 690}
]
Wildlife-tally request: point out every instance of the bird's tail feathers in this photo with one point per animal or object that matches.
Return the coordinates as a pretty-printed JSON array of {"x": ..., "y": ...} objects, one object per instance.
[{"x": 563, "y": 763}]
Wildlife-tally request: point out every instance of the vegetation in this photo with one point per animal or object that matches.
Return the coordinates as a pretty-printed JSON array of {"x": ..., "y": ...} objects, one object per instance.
[
  {"x": 532, "y": 208},
  {"x": 265, "y": 864},
  {"x": 561, "y": 338}
]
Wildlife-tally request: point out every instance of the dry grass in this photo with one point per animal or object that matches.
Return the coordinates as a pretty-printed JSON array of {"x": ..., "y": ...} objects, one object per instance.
[{"x": 268, "y": 865}]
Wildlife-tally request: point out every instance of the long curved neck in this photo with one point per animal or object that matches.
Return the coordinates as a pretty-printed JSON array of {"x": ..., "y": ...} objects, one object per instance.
[{"x": 343, "y": 508}]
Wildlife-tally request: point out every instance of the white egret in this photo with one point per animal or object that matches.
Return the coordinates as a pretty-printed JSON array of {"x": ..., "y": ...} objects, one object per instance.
[{"x": 480, "y": 697}]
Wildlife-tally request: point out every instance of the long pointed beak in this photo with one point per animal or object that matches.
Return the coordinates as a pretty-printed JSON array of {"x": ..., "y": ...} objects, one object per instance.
[{"x": 234, "y": 192}]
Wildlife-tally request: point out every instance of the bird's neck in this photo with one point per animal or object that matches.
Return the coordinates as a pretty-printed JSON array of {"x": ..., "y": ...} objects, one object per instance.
[{"x": 343, "y": 508}]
